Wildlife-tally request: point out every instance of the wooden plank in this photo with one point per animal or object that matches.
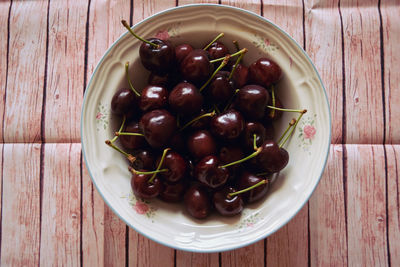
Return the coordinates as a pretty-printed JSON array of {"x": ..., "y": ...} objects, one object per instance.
[
  {"x": 324, "y": 46},
  {"x": 250, "y": 5},
  {"x": 364, "y": 109},
  {"x": 26, "y": 68},
  {"x": 393, "y": 205},
  {"x": 252, "y": 255},
  {"x": 4, "y": 9},
  {"x": 144, "y": 9},
  {"x": 65, "y": 70},
  {"x": 187, "y": 2},
  {"x": 61, "y": 205},
  {"x": 391, "y": 38},
  {"x": 366, "y": 206},
  {"x": 328, "y": 244},
  {"x": 20, "y": 205},
  {"x": 186, "y": 259}
]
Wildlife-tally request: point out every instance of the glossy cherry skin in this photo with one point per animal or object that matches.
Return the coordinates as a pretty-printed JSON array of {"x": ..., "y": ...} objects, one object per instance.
[
  {"x": 264, "y": 72},
  {"x": 241, "y": 75},
  {"x": 225, "y": 205},
  {"x": 173, "y": 192},
  {"x": 272, "y": 158},
  {"x": 273, "y": 115},
  {"x": 227, "y": 125},
  {"x": 250, "y": 129},
  {"x": 181, "y": 51},
  {"x": 176, "y": 165},
  {"x": 231, "y": 153},
  {"x": 185, "y": 99},
  {"x": 196, "y": 67},
  {"x": 252, "y": 101},
  {"x": 201, "y": 143},
  {"x": 202, "y": 123},
  {"x": 142, "y": 188},
  {"x": 158, "y": 80},
  {"x": 221, "y": 89},
  {"x": 197, "y": 202},
  {"x": 247, "y": 179},
  {"x": 153, "y": 97},
  {"x": 144, "y": 160},
  {"x": 124, "y": 101},
  {"x": 132, "y": 141},
  {"x": 208, "y": 172},
  {"x": 217, "y": 50},
  {"x": 159, "y": 60},
  {"x": 158, "y": 126}
]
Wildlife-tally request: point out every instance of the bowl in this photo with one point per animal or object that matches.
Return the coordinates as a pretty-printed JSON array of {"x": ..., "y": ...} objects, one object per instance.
[{"x": 301, "y": 87}]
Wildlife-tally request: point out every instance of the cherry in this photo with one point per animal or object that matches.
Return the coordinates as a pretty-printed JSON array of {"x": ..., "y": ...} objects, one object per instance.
[
  {"x": 241, "y": 75},
  {"x": 132, "y": 141},
  {"x": 273, "y": 114},
  {"x": 252, "y": 101},
  {"x": 272, "y": 158},
  {"x": 208, "y": 172},
  {"x": 159, "y": 80},
  {"x": 153, "y": 97},
  {"x": 176, "y": 167},
  {"x": 178, "y": 142},
  {"x": 201, "y": 144},
  {"x": 251, "y": 129},
  {"x": 173, "y": 192},
  {"x": 196, "y": 66},
  {"x": 124, "y": 102},
  {"x": 246, "y": 180},
  {"x": 144, "y": 159},
  {"x": 185, "y": 99},
  {"x": 217, "y": 50},
  {"x": 201, "y": 123},
  {"x": 264, "y": 72},
  {"x": 230, "y": 153},
  {"x": 227, "y": 125},
  {"x": 221, "y": 89},
  {"x": 158, "y": 126},
  {"x": 225, "y": 204},
  {"x": 197, "y": 202},
  {"x": 143, "y": 188},
  {"x": 181, "y": 51}
]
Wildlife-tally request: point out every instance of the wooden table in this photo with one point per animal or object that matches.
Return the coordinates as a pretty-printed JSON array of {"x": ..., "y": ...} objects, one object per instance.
[{"x": 52, "y": 215}]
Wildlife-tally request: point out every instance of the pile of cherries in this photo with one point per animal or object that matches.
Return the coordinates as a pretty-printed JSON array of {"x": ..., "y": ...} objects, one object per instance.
[{"x": 201, "y": 131}]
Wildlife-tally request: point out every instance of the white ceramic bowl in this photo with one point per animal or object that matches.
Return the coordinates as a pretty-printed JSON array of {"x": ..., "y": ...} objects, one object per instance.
[{"x": 301, "y": 87}]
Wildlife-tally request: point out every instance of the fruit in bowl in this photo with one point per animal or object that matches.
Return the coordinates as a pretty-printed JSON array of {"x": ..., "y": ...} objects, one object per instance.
[{"x": 222, "y": 135}]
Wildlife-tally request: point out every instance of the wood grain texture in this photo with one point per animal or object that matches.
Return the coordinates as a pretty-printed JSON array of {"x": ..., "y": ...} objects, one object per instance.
[
  {"x": 364, "y": 109},
  {"x": 366, "y": 206},
  {"x": 26, "y": 69},
  {"x": 61, "y": 205},
  {"x": 390, "y": 10},
  {"x": 250, "y": 5},
  {"x": 393, "y": 196},
  {"x": 187, "y": 2},
  {"x": 4, "y": 10},
  {"x": 144, "y": 9},
  {"x": 20, "y": 236},
  {"x": 66, "y": 56},
  {"x": 328, "y": 243},
  {"x": 326, "y": 46},
  {"x": 252, "y": 255},
  {"x": 190, "y": 259}
]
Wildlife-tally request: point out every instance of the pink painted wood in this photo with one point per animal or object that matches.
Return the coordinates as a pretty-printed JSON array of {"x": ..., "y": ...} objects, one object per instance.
[
  {"x": 252, "y": 255},
  {"x": 186, "y": 259},
  {"x": 26, "y": 71}
]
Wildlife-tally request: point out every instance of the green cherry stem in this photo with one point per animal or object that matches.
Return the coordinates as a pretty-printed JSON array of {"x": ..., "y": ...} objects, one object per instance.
[
  {"x": 127, "y": 155},
  {"x": 159, "y": 164},
  {"x": 231, "y": 100},
  {"x": 288, "y": 109},
  {"x": 120, "y": 129},
  {"x": 128, "y": 133},
  {"x": 219, "y": 36},
  {"x": 272, "y": 113},
  {"x": 236, "y": 44},
  {"x": 126, "y": 25},
  {"x": 294, "y": 127},
  {"x": 216, "y": 108},
  {"x": 235, "y": 66},
  {"x": 248, "y": 188},
  {"x": 129, "y": 79},
  {"x": 244, "y": 50},
  {"x": 255, "y": 142},
  {"x": 211, "y": 114},
  {"x": 132, "y": 170},
  {"x": 254, "y": 154},
  {"x": 223, "y": 64},
  {"x": 291, "y": 123}
]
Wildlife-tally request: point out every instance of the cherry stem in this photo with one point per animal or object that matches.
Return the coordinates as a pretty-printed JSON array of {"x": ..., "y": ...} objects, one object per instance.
[
  {"x": 255, "y": 153},
  {"x": 248, "y": 188},
  {"x": 231, "y": 99},
  {"x": 292, "y": 130},
  {"x": 128, "y": 133},
  {"x": 244, "y": 50},
  {"x": 272, "y": 113},
  {"x": 159, "y": 164},
  {"x": 120, "y": 129},
  {"x": 223, "y": 64},
  {"x": 235, "y": 66},
  {"x": 216, "y": 108},
  {"x": 288, "y": 109},
  {"x": 126, "y": 25},
  {"x": 127, "y": 155},
  {"x": 146, "y": 173},
  {"x": 291, "y": 123},
  {"x": 219, "y": 36},
  {"x": 255, "y": 142},
  {"x": 129, "y": 79},
  {"x": 236, "y": 43},
  {"x": 196, "y": 119},
  {"x": 262, "y": 173}
]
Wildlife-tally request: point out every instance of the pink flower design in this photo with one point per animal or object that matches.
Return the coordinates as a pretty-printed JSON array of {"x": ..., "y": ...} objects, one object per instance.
[
  {"x": 163, "y": 35},
  {"x": 249, "y": 224},
  {"x": 140, "y": 207},
  {"x": 99, "y": 115},
  {"x": 267, "y": 42},
  {"x": 309, "y": 131}
]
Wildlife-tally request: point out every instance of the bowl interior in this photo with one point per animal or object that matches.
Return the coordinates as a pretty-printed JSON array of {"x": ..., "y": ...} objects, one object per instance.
[{"x": 301, "y": 87}]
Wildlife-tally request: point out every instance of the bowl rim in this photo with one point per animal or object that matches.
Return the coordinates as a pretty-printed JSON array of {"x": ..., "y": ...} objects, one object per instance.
[{"x": 244, "y": 244}]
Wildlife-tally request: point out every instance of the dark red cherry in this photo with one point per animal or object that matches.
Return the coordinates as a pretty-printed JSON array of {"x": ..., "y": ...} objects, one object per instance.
[
  {"x": 185, "y": 99},
  {"x": 158, "y": 80},
  {"x": 227, "y": 125},
  {"x": 264, "y": 72},
  {"x": 159, "y": 60},
  {"x": 177, "y": 142},
  {"x": 221, "y": 89},
  {"x": 247, "y": 179},
  {"x": 142, "y": 188},
  {"x": 208, "y": 172},
  {"x": 197, "y": 202},
  {"x": 217, "y": 50},
  {"x": 153, "y": 97},
  {"x": 132, "y": 141},
  {"x": 196, "y": 67},
  {"x": 226, "y": 205},
  {"x": 252, "y": 101},
  {"x": 173, "y": 192},
  {"x": 273, "y": 115},
  {"x": 241, "y": 75},
  {"x": 181, "y": 51},
  {"x": 176, "y": 165},
  {"x": 272, "y": 158},
  {"x": 124, "y": 101},
  {"x": 230, "y": 153},
  {"x": 202, "y": 123},
  {"x": 144, "y": 159},
  {"x": 158, "y": 126},
  {"x": 201, "y": 143},
  {"x": 250, "y": 129}
]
